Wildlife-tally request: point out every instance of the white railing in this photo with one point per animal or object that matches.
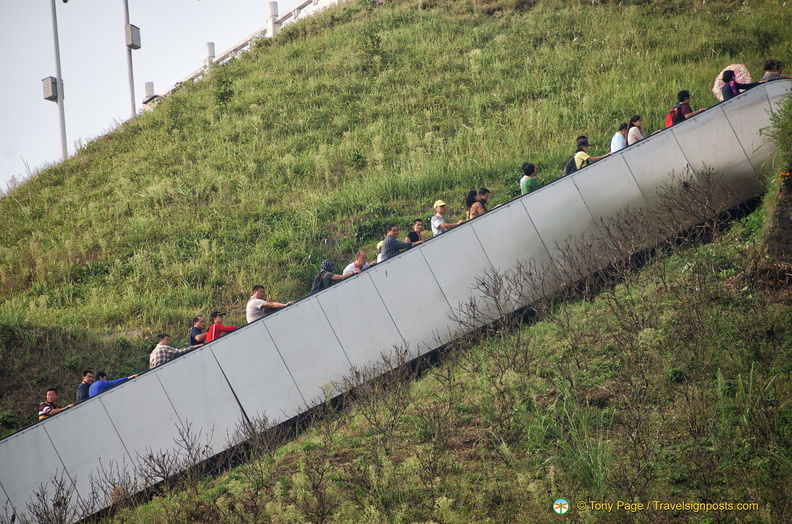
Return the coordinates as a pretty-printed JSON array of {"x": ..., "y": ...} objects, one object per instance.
[{"x": 302, "y": 10}]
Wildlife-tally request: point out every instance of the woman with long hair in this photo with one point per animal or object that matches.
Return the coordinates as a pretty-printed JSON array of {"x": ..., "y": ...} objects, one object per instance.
[
  {"x": 634, "y": 130},
  {"x": 475, "y": 203},
  {"x": 470, "y": 201}
]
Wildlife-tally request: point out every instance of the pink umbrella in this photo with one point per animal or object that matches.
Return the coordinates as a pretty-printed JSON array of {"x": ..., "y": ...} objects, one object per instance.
[{"x": 741, "y": 76}]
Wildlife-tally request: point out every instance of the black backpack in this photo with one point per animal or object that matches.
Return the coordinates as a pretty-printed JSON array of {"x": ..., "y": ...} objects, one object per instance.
[
  {"x": 318, "y": 283},
  {"x": 570, "y": 167}
]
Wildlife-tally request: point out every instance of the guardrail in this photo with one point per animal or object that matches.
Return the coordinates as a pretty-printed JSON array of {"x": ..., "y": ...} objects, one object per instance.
[
  {"x": 302, "y": 10},
  {"x": 279, "y": 366}
]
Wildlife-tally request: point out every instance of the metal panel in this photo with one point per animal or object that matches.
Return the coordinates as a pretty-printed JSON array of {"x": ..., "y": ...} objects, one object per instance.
[
  {"x": 776, "y": 91},
  {"x": 6, "y": 508},
  {"x": 611, "y": 195},
  {"x": 308, "y": 345},
  {"x": 708, "y": 140},
  {"x": 510, "y": 239},
  {"x": 84, "y": 438},
  {"x": 142, "y": 414},
  {"x": 28, "y": 461},
  {"x": 508, "y": 235},
  {"x": 258, "y": 376},
  {"x": 201, "y": 395},
  {"x": 416, "y": 303},
  {"x": 609, "y": 186},
  {"x": 459, "y": 259},
  {"x": 360, "y": 320},
  {"x": 652, "y": 160},
  {"x": 561, "y": 214},
  {"x": 745, "y": 114}
]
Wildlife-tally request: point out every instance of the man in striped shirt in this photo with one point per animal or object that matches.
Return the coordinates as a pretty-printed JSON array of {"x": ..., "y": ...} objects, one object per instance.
[{"x": 49, "y": 408}]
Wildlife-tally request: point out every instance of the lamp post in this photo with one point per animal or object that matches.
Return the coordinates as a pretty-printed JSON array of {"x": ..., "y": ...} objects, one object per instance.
[
  {"x": 58, "y": 83},
  {"x": 132, "y": 42},
  {"x": 53, "y": 90}
]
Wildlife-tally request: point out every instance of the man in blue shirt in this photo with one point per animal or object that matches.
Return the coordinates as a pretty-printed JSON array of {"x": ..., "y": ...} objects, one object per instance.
[
  {"x": 619, "y": 140},
  {"x": 102, "y": 384},
  {"x": 391, "y": 246}
]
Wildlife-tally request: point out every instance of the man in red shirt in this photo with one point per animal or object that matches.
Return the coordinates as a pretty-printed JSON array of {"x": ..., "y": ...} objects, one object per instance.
[
  {"x": 217, "y": 328},
  {"x": 684, "y": 106}
]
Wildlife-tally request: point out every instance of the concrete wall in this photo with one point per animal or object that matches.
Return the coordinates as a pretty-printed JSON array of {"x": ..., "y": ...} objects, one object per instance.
[{"x": 278, "y": 366}]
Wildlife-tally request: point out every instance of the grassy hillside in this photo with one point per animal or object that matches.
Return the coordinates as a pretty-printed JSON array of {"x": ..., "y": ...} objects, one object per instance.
[
  {"x": 665, "y": 382},
  {"x": 305, "y": 147}
]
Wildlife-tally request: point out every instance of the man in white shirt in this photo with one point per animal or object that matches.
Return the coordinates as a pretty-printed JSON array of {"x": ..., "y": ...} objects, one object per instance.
[
  {"x": 360, "y": 263},
  {"x": 439, "y": 224},
  {"x": 257, "y": 307}
]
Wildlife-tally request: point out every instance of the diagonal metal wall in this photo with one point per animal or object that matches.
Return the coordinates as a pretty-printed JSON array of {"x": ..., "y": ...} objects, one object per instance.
[{"x": 277, "y": 367}]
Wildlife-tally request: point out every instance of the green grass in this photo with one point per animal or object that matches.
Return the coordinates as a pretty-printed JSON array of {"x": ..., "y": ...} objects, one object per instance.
[
  {"x": 275, "y": 158},
  {"x": 685, "y": 400},
  {"x": 301, "y": 149}
]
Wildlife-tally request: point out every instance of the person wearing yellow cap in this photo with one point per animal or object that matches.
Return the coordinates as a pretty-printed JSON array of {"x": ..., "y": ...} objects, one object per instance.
[{"x": 439, "y": 224}]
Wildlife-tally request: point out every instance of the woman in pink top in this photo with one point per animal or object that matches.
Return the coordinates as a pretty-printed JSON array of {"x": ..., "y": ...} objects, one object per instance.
[{"x": 635, "y": 130}]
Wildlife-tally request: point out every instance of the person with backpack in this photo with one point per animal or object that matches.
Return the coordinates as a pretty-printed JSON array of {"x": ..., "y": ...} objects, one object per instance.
[
  {"x": 570, "y": 167},
  {"x": 581, "y": 158},
  {"x": 326, "y": 278},
  {"x": 682, "y": 110}
]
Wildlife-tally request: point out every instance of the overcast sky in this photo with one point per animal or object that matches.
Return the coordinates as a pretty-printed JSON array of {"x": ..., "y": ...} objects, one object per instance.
[{"x": 94, "y": 65}]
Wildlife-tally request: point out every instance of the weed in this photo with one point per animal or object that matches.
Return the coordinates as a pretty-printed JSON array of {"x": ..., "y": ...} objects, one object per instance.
[{"x": 646, "y": 377}]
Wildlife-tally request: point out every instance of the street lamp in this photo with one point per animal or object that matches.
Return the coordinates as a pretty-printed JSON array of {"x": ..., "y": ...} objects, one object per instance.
[
  {"x": 57, "y": 84},
  {"x": 132, "y": 42},
  {"x": 53, "y": 86}
]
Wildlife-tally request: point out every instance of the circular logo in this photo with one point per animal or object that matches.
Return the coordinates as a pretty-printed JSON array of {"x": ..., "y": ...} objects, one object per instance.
[{"x": 560, "y": 506}]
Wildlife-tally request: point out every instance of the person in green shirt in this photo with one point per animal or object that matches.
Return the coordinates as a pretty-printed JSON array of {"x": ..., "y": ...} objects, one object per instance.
[{"x": 528, "y": 182}]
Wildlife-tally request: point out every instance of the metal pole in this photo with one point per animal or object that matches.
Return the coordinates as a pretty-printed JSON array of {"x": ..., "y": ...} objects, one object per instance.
[
  {"x": 272, "y": 24},
  {"x": 129, "y": 62},
  {"x": 59, "y": 83}
]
